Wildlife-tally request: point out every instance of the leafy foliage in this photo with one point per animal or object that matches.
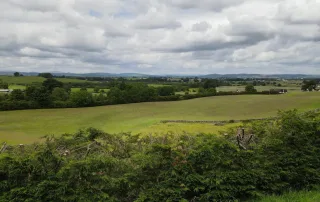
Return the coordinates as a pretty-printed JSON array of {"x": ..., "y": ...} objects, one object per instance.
[
  {"x": 3, "y": 85},
  {"x": 95, "y": 166},
  {"x": 250, "y": 88}
]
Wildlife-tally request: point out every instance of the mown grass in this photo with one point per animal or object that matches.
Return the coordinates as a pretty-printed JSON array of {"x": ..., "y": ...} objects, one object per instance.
[
  {"x": 24, "y": 80},
  {"x": 28, "y": 125},
  {"x": 302, "y": 196},
  {"x": 13, "y": 86}
]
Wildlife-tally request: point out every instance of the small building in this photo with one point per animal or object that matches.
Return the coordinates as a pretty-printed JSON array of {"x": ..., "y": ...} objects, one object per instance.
[
  {"x": 280, "y": 91},
  {"x": 5, "y": 90}
]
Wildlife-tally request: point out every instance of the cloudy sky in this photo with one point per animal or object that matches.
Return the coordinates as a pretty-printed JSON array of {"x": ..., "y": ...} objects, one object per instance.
[{"x": 161, "y": 36}]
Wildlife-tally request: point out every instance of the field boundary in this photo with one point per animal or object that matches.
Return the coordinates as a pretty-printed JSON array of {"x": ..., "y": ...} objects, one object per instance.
[
  {"x": 229, "y": 121},
  {"x": 215, "y": 122}
]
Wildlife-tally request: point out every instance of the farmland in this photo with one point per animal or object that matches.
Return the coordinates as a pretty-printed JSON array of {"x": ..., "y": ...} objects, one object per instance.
[
  {"x": 259, "y": 88},
  {"x": 24, "y": 80},
  {"x": 28, "y": 125}
]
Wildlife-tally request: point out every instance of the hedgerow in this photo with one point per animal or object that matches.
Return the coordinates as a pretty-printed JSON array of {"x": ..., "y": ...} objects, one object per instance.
[{"x": 91, "y": 165}]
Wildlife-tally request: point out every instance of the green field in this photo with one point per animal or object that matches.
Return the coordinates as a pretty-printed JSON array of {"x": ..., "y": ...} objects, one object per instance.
[
  {"x": 14, "y": 86},
  {"x": 28, "y": 125},
  {"x": 35, "y": 79},
  {"x": 302, "y": 196},
  {"x": 157, "y": 85},
  {"x": 259, "y": 88}
]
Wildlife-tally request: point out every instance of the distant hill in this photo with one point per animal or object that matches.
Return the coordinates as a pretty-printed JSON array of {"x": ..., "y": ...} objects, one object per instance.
[
  {"x": 138, "y": 75},
  {"x": 282, "y": 76}
]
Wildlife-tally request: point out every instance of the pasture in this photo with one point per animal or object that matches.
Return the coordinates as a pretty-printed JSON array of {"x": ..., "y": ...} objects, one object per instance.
[
  {"x": 157, "y": 85},
  {"x": 27, "y": 126},
  {"x": 24, "y": 80},
  {"x": 259, "y": 88}
]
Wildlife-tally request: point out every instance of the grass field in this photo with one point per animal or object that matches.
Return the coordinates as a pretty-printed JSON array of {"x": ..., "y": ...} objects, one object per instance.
[
  {"x": 302, "y": 196},
  {"x": 35, "y": 79},
  {"x": 259, "y": 88},
  {"x": 157, "y": 85},
  {"x": 14, "y": 86},
  {"x": 28, "y": 125}
]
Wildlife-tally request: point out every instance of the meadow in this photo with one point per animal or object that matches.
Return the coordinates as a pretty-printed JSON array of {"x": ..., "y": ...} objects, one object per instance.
[
  {"x": 301, "y": 196},
  {"x": 27, "y": 126},
  {"x": 24, "y": 80},
  {"x": 259, "y": 88}
]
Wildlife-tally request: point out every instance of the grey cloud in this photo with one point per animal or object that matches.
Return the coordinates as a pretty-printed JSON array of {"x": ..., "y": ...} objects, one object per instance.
[
  {"x": 166, "y": 36},
  {"x": 215, "y": 5},
  {"x": 35, "y": 5},
  {"x": 157, "y": 24},
  {"x": 212, "y": 45},
  {"x": 201, "y": 26}
]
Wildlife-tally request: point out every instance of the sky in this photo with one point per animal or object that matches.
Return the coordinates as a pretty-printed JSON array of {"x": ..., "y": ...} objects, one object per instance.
[{"x": 160, "y": 36}]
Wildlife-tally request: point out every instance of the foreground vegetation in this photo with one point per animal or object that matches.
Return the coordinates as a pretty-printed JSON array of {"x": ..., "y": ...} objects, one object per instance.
[
  {"x": 27, "y": 126},
  {"x": 92, "y": 165}
]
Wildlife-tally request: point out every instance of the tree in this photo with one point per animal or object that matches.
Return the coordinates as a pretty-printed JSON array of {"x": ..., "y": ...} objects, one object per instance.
[
  {"x": 41, "y": 95},
  {"x": 16, "y": 74},
  {"x": 250, "y": 89},
  {"x": 4, "y": 85},
  {"x": 50, "y": 84},
  {"x": 81, "y": 98},
  {"x": 254, "y": 83},
  {"x": 59, "y": 94},
  {"x": 309, "y": 85},
  {"x": 210, "y": 83},
  {"x": 96, "y": 89},
  {"x": 17, "y": 94},
  {"x": 45, "y": 75},
  {"x": 166, "y": 91}
]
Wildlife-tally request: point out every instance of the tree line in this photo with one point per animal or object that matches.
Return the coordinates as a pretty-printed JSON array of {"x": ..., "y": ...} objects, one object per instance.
[
  {"x": 91, "y": 165},
  {"x": 55, "y": 94}
]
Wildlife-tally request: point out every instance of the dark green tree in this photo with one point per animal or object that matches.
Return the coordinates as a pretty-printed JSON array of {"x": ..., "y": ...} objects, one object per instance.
[
  {"x": 17, "y": 94},
  {"x": 50, "y": 84},
  {"x": 45, "y": 75},
  {"x": 96, "y": 89},
  {"x": 166, "y": 91},
  {"x": 250, "y": 89},
  {"x": 309, "y": 85},
  {"x": 210, "y": 83},
  {"x": 40, "y": 95},
  {"x": 81, "y": 98},
  {"x": 4, "y": 85},
  {"x": 59, "y": 94}
]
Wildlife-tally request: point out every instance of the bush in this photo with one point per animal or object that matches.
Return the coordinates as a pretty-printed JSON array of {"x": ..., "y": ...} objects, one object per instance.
[{"x": 94, "y": 166}]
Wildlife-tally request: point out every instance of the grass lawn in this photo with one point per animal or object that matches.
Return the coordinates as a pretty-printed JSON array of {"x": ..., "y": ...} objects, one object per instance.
[
  {"x": 26, "y": 126},
  {"x": 14, "y": 86},
  {"x": 35, "y": 79}
]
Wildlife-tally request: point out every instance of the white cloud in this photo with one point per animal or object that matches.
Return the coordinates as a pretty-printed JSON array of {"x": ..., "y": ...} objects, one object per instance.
[{"x": 161, "y": 36}]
